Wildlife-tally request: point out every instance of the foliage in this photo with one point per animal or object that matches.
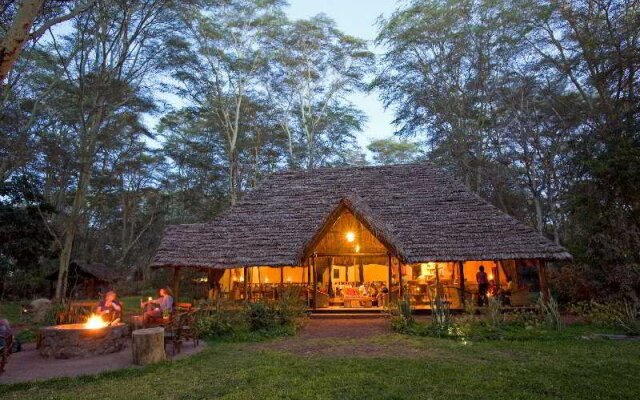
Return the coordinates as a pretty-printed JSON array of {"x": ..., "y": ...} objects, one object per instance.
[
  {"x": 392, "y": 151},
  {"x": 217, "y": 324},
  {"x": 511, "y": 97},
  {"x": 619, "y": 314},
  {"x": 402, "y": 316},
  {"x": 267, "y": 318},
  {"x": 550, "y": 312}
]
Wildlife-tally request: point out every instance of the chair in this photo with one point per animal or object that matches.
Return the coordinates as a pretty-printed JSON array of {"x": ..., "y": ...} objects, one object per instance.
[
  {"x": 190, "y": 329},
  {"x": 173, "y": 333}
]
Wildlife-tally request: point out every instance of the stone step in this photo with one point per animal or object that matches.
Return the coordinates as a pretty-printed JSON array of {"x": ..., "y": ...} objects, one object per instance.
[{"x": 347, "y": 315}]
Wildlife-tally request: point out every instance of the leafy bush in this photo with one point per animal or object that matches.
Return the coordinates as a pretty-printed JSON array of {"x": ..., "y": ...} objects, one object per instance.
[
  {"x": 401, "y": 316},
  {"x": 494, "y": 312},
  {"x": 217, "y": 324},
  {"x": 550, "y": 312},
  {"x": 261, "y": 316},
  {"x": 269, "y": 315},
  {"x": 619, "y": 314}
]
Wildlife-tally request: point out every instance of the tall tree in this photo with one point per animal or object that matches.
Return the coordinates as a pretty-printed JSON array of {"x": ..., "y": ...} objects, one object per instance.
[
  {"x": 219, "y": 59},
  {"x": 317, "y": 66},
  {"x": 114, "y": 48}
]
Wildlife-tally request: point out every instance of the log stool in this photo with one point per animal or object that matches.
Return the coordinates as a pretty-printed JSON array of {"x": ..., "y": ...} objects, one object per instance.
[{"x": 148, "y": 346}]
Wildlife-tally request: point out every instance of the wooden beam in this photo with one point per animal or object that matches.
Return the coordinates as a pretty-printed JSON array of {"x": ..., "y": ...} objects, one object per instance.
[
  {"x": 390, "y": 276},
  {"x": 315, "y": 284},
  {"x": 350, "y": 254},
  {"x": 542, "y": 276},
  {"x": 245, "y": 278},
  {"x": 461, "y": 283},
  {"x": 175, "y": 283},
  {"x": 401, "y": 291},
  {"x": 330, "y": 291}
]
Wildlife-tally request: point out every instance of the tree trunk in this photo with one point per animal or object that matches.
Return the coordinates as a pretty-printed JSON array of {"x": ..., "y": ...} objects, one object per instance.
[
  {"x": 72, "y": 227},
  {"x": 88, "y": 147},
  {"x": 17, "y": 35},
  {"x": 233, "y": 175},
  {"x": 539, "y": 220}
]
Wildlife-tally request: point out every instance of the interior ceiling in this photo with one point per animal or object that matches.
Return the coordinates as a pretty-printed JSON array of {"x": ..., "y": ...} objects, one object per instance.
[{"x": 337, "y": 239}]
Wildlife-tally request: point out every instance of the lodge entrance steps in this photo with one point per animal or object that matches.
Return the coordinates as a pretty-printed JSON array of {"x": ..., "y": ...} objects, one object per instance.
[{"x": 347, "y": 313}]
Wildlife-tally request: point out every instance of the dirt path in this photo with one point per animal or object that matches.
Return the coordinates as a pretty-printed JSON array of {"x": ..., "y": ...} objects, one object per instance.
[
  {"x": 362, "y": 337},
  {"x": 27, "y": 365}
]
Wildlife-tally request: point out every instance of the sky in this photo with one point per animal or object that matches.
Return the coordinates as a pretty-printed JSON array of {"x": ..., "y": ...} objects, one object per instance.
[{"x": 356, "y": 18}]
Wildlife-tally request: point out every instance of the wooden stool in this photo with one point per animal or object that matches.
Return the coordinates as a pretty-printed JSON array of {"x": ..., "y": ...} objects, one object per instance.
[{"x": 148, "y": 346}]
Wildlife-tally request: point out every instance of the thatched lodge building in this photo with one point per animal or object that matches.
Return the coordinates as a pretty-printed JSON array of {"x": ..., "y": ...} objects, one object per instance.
[{"x": 360, "y": 237}]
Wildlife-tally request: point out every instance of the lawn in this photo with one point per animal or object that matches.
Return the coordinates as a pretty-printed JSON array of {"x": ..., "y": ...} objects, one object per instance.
[{"x": 389, "y": 366}]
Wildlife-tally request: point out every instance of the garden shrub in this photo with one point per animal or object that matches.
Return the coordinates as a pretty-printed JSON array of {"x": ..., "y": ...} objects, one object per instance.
[
  {"x": 217, "y": 324},
  {"x": 401, "y": 316},
  {"x": 550, "y": 312},
  {"x": 285, "y": 312},
  {"x": 494, "y": 312},
  {"x": 618, "y": 314}
]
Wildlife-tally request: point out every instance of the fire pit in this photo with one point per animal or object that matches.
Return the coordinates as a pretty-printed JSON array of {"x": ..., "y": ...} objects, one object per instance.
[{"x": 83, "y": 340}]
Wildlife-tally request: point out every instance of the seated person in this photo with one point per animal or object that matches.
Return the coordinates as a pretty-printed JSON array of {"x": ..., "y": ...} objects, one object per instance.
[
  {"x": 160, "y": 307},
  {"x": 382, "y": 294},
  {"x": 109, "y": 308},
  {"x": 363, "y": 290},
  {"x": 372, "y": 291}
]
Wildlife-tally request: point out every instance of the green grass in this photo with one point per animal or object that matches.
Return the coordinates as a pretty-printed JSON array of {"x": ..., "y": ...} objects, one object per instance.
[{"x": 390, "y": 366}]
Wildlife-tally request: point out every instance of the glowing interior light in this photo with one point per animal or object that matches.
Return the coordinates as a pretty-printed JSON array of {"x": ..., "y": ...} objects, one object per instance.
[
  {"x": 289, "y": 279},
  {"x": 357, "y": 248},
  {"x": 351, "y": 236}
]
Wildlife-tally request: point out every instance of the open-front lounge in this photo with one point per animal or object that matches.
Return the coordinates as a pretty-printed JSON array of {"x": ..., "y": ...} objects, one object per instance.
[{"x": 354, "y": 238}]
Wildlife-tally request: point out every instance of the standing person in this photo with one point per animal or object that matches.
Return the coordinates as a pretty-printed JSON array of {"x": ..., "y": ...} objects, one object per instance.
[
  {"x": 160, "y": 307},
  {"x": 483, "y": 286},
  {"x": 109, "y": 306}
]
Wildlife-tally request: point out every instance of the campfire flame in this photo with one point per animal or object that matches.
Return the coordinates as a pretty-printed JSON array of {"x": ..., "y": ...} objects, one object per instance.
[{"x": 95, "y": 322}]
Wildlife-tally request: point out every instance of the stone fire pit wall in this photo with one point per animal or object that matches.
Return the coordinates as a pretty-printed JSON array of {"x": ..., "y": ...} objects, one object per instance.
[{"x": 73, "y": 340}]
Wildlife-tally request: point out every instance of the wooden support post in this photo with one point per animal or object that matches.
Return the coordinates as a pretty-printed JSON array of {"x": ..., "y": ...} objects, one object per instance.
[
  {"x": 315, "y": 284},
  {"x": 401, "y": 291},
  {"x": 390, "y": 277},
  {"x": 330, "y": 291},
  {"x": 175, "y": 284},
  {"x": 245, "y": 278},
  {"x": 461, "y": 283},
  {"x": 361, "y": 269},
  {"x": 211, "y": 286},
  {"x": 542, "y": 275},
  {"x": 498, "y": 268}
]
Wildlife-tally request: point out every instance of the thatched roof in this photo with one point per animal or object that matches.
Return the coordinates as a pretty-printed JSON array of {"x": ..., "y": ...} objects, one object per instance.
[
  {"x": 418, "y": 211},
  {"x": 89, "y": 270}
]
